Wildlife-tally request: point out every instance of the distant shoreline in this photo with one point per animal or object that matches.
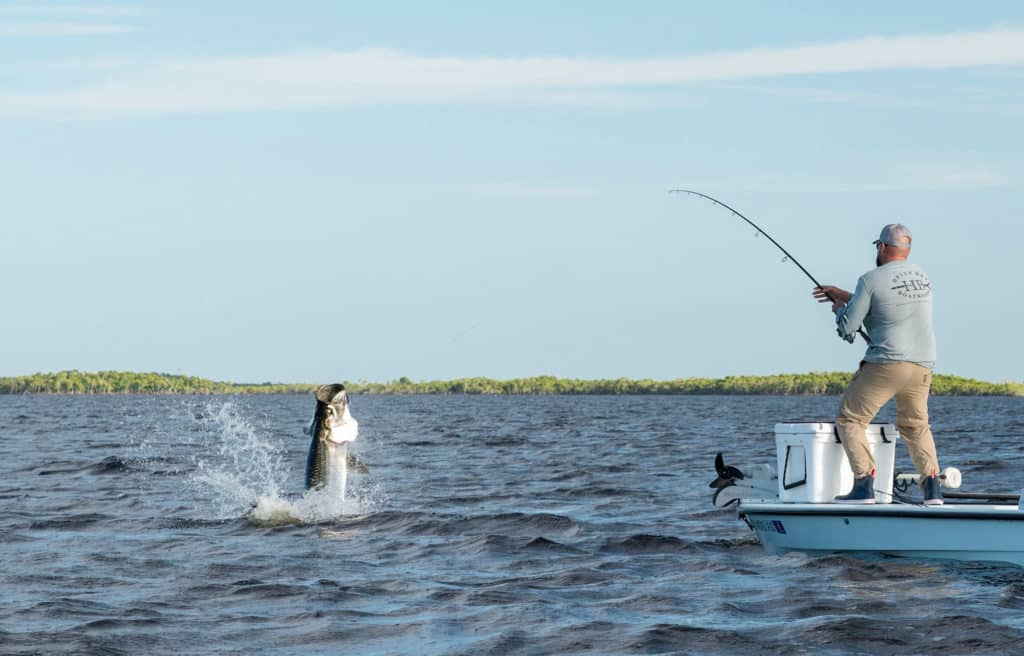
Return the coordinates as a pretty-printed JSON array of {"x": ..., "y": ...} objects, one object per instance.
[{"x": 805, "y": 384}]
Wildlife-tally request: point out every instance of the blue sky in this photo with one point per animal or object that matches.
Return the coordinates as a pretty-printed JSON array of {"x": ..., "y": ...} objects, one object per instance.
[{"x": 313, "y": 191}]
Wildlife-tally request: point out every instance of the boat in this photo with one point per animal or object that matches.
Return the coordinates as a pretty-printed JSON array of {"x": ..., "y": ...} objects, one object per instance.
[{"x": 790, "y": 506}]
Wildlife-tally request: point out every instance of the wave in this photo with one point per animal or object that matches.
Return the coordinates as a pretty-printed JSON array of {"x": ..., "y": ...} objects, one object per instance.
[
  {"x": 532, "y": 524},
  {"x": 650, "y": 544},
  {"x": 108, "y": 465},
  {"x": 934, "y": 634},
  {"x": 70, "y": 522},
  {"x": 671, "y": 638}
]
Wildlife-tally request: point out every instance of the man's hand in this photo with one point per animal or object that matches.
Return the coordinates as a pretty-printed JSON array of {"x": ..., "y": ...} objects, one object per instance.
[{"x": 830, "y": 294}]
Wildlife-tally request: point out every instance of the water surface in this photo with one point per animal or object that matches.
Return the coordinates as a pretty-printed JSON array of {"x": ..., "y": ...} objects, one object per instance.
[{"x": 505, "y": 525}]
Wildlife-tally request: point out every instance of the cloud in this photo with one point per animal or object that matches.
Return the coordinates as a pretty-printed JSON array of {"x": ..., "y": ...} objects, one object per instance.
[
  {"x": 61, "y": 29},
  {"x": 999, "y": 97},
  {"x": 62, "y": 20},
  {"x": 907, "y": 177},
  {"x": 65, "y": 10},
  {"x": 367, "y": 77}
]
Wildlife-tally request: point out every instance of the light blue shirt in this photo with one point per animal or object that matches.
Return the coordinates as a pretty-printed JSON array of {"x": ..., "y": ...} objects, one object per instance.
[{"x": 893, "y": 303}]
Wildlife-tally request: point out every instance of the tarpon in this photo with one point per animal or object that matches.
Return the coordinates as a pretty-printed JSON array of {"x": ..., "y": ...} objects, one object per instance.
[{"x": 333, "y": 427}]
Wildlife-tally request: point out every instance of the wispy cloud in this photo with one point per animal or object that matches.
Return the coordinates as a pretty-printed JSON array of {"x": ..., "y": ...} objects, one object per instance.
[
  {"x": 25, "y": 9},
  {"x": 61, "y": 29},
  {"x": 335, "y": 79},
  {"x": 53, "y": 20},
  {"x": 907, "y": 177},
  {"x": 994, "y": 98}
]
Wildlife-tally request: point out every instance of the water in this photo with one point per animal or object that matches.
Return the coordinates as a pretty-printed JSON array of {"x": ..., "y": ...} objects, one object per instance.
[{"x": 502, "y": 525}]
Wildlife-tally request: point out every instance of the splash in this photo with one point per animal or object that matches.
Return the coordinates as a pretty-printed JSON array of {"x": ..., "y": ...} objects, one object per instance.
[
  {"x": 238, "y": 465},
  {"x": 312, "y": 507},
  {"x": 243, "y": 473}
]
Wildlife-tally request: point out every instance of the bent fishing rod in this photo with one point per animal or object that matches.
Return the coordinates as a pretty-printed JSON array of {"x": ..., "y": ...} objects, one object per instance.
[{"x": 760, "y": 231}]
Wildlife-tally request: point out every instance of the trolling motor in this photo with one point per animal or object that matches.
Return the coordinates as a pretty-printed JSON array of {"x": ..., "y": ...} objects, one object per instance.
[{"x": 731, "y": 484}]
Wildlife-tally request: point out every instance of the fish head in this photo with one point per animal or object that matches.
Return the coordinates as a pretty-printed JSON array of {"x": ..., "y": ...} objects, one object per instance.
[
  {"x": 333, "y": 421},
  {"x": 333, "y": 396}
]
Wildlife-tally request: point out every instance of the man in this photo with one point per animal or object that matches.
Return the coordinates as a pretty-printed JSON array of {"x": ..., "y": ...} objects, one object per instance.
[{"x": 893, "y": 303}]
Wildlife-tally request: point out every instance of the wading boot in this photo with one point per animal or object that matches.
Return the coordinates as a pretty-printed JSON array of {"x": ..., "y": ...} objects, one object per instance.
[
  {"x": 932, "y": 493},
  {"x": 863, "y": 491}
]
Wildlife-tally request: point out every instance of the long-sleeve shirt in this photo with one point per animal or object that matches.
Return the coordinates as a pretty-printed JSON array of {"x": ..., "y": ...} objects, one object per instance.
[{"x": 893, "y": 303}]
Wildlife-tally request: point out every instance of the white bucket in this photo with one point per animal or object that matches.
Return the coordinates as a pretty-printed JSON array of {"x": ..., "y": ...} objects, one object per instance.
[{"x": 813, "y": 467}]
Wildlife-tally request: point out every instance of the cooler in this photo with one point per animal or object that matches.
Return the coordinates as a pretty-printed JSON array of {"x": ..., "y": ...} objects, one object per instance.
[{"x": 813, "y": 467}]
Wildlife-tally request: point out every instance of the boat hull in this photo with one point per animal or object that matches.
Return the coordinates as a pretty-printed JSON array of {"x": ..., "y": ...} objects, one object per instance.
[{"x": 959, "y": 532}]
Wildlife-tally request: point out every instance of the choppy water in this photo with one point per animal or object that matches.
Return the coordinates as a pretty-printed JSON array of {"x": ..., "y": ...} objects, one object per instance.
[{"x": 504, "y": 525}]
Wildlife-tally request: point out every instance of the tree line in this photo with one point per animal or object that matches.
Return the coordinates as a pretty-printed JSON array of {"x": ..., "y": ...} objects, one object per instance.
[
  {"x": 813, "y": 383},
  {"x": 128, "y": 382}
]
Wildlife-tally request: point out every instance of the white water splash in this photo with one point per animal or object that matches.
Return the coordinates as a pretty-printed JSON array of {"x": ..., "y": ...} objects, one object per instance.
[
  {"x": 318, "y": 505},
  {"x": 238, "y": 466},
  {"x": 244, "y": 474},
  {"x": 312, "y": 507}
]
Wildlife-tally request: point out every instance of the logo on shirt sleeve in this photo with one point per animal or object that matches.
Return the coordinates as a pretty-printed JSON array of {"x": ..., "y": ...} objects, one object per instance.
[{"x": 912, "y": 285}]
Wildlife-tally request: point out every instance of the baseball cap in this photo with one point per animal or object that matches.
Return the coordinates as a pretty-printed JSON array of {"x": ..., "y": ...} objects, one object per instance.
[{"x": 895, "y": 234}]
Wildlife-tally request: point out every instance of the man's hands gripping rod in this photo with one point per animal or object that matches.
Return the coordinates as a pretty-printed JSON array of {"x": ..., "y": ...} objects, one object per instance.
[{"x": 837, "y": 296}]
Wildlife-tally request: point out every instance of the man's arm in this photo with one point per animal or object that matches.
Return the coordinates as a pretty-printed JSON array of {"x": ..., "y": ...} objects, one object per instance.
[{"x": 850, "y": 317}]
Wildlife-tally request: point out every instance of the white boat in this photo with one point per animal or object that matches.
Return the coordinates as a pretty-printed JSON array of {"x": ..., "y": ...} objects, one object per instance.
[{"x": 794, "y": 510}]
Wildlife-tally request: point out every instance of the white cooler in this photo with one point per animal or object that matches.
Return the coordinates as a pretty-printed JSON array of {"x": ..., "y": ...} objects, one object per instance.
[{"x": 813, "y": 467}]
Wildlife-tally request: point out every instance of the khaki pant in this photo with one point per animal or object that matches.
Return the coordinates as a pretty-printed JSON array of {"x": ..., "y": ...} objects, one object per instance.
[{"x": 872, "y": 386}]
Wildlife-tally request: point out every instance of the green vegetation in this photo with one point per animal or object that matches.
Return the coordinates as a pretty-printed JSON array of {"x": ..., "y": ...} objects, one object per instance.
[
  {"x": 125, "y": 382},
  {"x": 815, "y": 383}
]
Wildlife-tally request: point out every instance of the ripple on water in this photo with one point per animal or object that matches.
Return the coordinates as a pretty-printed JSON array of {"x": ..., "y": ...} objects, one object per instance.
[
  {"x": 650, "y": 544},
  {"x": 73, "y": 522}
]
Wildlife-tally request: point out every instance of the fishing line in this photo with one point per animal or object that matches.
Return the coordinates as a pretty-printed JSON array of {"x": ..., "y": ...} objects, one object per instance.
[
  {"x": 898, "y": 498},
  {"x": 788, "y": 257}
]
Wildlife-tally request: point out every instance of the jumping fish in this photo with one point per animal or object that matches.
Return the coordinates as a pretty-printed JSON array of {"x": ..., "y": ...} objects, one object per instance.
[{"x": 332, "y": 428}]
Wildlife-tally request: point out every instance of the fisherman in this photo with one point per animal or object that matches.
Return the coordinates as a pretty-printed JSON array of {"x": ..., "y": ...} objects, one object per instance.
[{"x": 893, "y": 303}]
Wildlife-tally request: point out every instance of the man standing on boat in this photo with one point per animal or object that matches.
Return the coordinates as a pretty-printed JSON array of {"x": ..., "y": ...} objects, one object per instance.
[{"x": 893, "y": 304}]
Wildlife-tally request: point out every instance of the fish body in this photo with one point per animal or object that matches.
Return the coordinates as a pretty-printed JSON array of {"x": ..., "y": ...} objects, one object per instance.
[{"x": 333, "y": 427}]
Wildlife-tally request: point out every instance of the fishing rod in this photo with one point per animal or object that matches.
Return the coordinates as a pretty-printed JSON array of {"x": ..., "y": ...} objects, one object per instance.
[{"x": 760, "y": 231}]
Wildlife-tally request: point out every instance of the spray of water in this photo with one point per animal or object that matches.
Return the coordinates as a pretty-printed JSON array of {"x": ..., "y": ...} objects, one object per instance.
[{"x": 243, "y": 473}]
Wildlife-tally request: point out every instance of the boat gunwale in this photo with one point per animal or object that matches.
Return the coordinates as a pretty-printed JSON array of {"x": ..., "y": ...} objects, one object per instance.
[{"x": 999, "y": 512}]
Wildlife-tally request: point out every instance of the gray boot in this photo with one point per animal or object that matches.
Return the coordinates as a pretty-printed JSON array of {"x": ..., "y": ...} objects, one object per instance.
[
  {"x": 863, "y": 491},
  {"x": 932, "y": 493}
]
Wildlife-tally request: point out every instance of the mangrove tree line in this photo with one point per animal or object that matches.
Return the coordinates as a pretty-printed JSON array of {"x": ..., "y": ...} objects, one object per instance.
[{"x": 814, "y": 383}]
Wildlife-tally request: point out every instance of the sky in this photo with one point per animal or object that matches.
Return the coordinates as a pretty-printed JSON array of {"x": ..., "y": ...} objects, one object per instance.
[{"x": 319, "y": 191}]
